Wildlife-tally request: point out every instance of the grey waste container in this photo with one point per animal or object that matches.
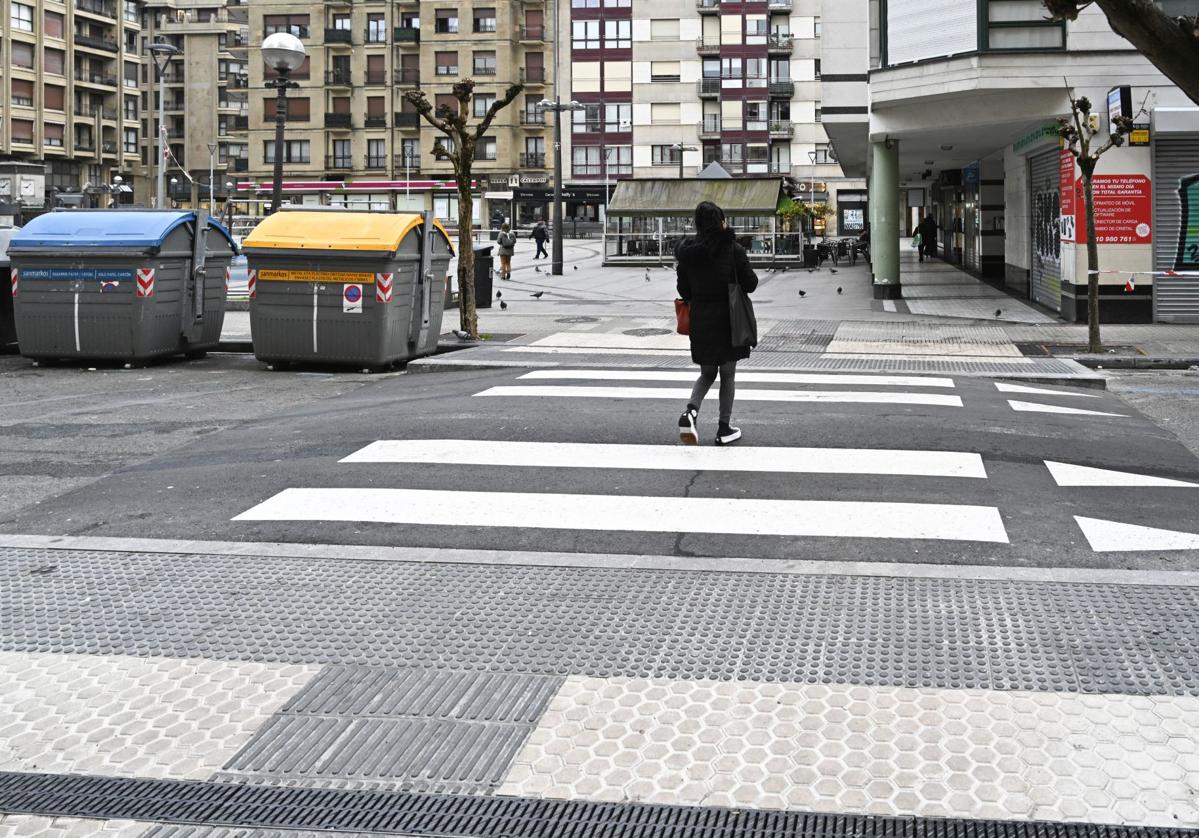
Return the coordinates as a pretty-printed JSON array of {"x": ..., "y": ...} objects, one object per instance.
[
  {"x": 8, "y": 325},
  {"x": 127, "y": 285},
  {"x": 483, "y": 267},
  {"x": 344, "y": 287}
]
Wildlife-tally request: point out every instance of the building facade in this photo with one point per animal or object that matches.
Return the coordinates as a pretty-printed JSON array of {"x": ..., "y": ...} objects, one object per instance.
[
  {"x": 352, "y": 136},
  {"x": 950, "y": 106}
]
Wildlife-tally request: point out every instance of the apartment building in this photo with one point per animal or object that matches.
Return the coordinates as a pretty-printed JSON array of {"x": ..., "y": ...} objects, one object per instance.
[
  {"x": 352, "y": 136},
  {"x": 951, "y": 107},
  {"x": 70, "y": 100},
  {"x": 672, "y": 86}
]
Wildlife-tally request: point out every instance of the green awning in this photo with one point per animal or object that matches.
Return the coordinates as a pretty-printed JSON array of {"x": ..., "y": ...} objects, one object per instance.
[{"x": 739, "y": 196}]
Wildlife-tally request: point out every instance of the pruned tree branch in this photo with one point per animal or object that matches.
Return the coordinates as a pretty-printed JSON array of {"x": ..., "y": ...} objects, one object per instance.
[{"x": 498, "y": 105}]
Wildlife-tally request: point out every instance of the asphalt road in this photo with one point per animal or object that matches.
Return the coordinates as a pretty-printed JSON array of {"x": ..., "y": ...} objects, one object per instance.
[{"x": 180, "y": 451}]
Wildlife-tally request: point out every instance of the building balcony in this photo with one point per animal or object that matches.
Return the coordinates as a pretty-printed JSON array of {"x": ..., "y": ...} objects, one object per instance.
[
  {"x": 533, "y": 160},
  {"x": 374, "y": 78},
  {"x": 406, "y": 35},
  {"x": 334, "y": 163},
  {"x": 96, "y": 79},
  {"x": 777, "y": 168},
  {"x": 237, "y": 82},
  {"x": 708, "y": 7},
  {"x": 407, "y": 121},
  {"x": 338, "y": 120},
  {"x": 780, "y": 44},
  {"x": 374, "y": 164},
  {"x": 241, "y": 164},
  {"x": 533, "y": 33},
  {"x": 375, "y": 121},
  {"x": 241, "y": 123},
  {"x": 97, "y": 42},
  {"x": 85, "y": 145},
  {"x": 375, "y": 37},
  {"x": 781, "y": 130},
  {"x": 782, "y": 89},
  {"x": 707, "y": 46},
  {"x": 709, "y": 88},
  {"x": 339, "y": 37},
  {"x": 532, "y": 75},
  {"x": 408, "y": 163},
  {"x": 94, "y": 7},
  {"x": 709, "y": 128},
  {"x": 778, "y": 5},
  {"x": 338, "y": 78},
  {"x": 407, "y": 75},
  {"x": 532, "y": 119},
  {"x": 484, "y": 71}
]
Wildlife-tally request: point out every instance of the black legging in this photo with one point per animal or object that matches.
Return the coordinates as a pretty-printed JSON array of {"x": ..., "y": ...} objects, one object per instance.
[{"x": 728, "y": 387}]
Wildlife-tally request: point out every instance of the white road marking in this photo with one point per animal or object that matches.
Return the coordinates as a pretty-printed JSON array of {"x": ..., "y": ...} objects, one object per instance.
[
  {"x": 592, "y": 350},
  {"x": 634, "y": 513},
  {"x": 681, "y": 396},
  {"x": 1040, "y": 391},
  {"x": 1114, "y": 537},
  {"x": 745, "y": 377},
  {"x": 673, "y": 457},
  {"x": 1067, "y": 474},
  {"x": 605, "y": 340},
  {"x": 1033, "y": 407}
]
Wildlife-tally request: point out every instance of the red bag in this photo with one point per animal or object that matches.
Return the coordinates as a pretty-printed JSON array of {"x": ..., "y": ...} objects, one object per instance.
[{"x": 682, "y": 316}]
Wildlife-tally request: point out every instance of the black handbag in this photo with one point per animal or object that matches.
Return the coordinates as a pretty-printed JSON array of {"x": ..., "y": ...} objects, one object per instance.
[{"x": 743, "y": 325}]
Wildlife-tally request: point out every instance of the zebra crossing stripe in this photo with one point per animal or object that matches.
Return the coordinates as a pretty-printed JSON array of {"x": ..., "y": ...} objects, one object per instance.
[
  {"x": 673, "y": 457},
  {"x": 745, "y": 377},
  {"x": 637, "y": 513},
  {"x": 1068, "y": 474},
  {"x": 681, "y": 396},
  {"x": 1035, "y": 407},
  {"x": 1041, "y": 391}
]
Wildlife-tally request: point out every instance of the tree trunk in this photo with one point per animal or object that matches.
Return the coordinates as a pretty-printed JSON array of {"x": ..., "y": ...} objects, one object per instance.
[
  {"x": 468, "y": 315},
  {"x": 1159, "y": 38},
  {"x": 1094, "y": 344}
]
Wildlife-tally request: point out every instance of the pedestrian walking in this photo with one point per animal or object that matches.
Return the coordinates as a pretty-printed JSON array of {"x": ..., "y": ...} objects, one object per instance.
[
  {"x": 708, "y": 264},
  {"x": 928, "y": 237},
  {"x": 541, "y": 236},
  {"x": 506, "y": 242}
]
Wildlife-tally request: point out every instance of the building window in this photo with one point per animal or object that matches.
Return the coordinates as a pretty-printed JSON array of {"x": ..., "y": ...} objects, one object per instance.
[
  {"x": 22, "y": 93},
  {"x": 53, "y": 97},
  {"x": 665, "y": 71},
  {"x": 755, "y": 72},
  {"x": 618, "y": 160},
  {"x": 54, "y": 61},
  {"x": 22, "y": 19},
  {"x": 617, "y": 4},
  {"x": 410, "y": 153},
  {"x": 130, "y": 141},
  {"x": 298, "y": 110},
  {"x": 484, "y": 20},
  {"x": 52, "y": 134},
  {"x": 817, "y": 112},
  {"x": 485, "y": 148},
  {"x": 131, "y": 12},
  {"x": 664, "y": 29},
  {"x": 376, "y": 29},
  {"x": 447, "y": 63},
  {"x": 293, "y": 24},
  {"x": 376, "y": 154},
  {"x": 664, "y": 155},
  {"x": 755, "y": 29},
  {"x": 816, "y": 27},
  {"x": 52, "y": 25},
  {"x": 482, "y": 103},
  {"x": 484, "y": 64},
  {"x": 342, "y": 156},
  {"x": 823, "y": 155},
  {"x": 584, "y": 4},
  {"x": 585, "y": 34},
  {"x": 618, "y": 34},
  {"x": 730, "y": 68},
  {"x": 755, "y": 116},
  {"x": 22, "y": 131},
  {"x": 585, "y": 160},
  {"x": 294, "y": 151},
  {"x": 618, "y": 117},
  {"x": 342, "y": 23},
  {"x": 446, "y": 22},
  {"x": 817, "y": 69},
  {"x": 586, "y": 121}
]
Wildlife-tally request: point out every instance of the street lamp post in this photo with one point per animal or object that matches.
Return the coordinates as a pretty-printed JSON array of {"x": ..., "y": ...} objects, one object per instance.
[
  {"x": 115, "y": 191},
  {"x": 558, "y": 108},
  {"x": 283, "y": 53},
  {"x": 680, "y": 148},
  {"x": 212, "y": 147},
  {"x": 229, "y": 205},
  {"x": 161, "y": 53}
]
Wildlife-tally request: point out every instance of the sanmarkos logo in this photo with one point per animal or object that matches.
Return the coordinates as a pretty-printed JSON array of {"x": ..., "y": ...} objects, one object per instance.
[{"x": 1188, "y": 235}]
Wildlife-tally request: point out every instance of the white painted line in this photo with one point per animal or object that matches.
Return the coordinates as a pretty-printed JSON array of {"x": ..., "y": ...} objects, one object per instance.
[
  {"x": 963, "y": 357},
  {"x": 1033, "y": 407},
  {"x": 673, "y": 457},
  {"x": 1040, "y": 391},
  {"x": 889, "y": 305},
  {"x": 635, "y": 513},
  {"x": 607, "y": 340},
  {"x": 681, "y": 396},
  {"x": 745, "y": 377},
  {"x": 591, "y": 350},
  {"x": 1114, "y": 537},
  {"x": 1067, "y": 474}
]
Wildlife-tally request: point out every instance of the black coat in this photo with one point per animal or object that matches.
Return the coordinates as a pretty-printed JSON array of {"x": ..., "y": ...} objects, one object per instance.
[
  {"x": 705, "y": 272},
  {"x": 928, "y": 232}
]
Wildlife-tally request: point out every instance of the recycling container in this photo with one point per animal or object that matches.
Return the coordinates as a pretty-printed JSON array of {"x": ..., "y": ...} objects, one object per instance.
[
  {"x": 365, "y": 289},
  {"x": 128, "y": 285},
  {"x": 483, "y": 264},
  {"x": 8, "y": 326}
]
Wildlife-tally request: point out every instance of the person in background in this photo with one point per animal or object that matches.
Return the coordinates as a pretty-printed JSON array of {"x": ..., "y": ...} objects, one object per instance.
[
  {"x": 541, "y": 236},
  {"x": 928, "y": 237},
  {"x": 707, "y": 264},
  {"x": 506, "y": 243}
]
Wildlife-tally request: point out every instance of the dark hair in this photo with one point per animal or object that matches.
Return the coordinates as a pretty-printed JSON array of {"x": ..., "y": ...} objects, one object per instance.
[{"x": 708, "y": 222}]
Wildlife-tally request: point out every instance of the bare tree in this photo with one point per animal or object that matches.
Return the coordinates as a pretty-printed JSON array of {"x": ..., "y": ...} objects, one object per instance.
[
  {"x": 461, "y": 153},
  {"x": 1080, "y": 131},
  {"x": 1170, "y": 43}
]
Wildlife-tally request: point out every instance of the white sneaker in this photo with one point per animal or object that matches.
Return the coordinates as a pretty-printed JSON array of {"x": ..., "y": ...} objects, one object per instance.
[{"x": 687, "y": 433}]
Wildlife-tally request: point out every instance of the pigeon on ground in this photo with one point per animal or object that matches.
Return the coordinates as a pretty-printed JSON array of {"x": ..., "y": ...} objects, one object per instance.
[
  {"x": 576, "y": 267},
  {"x": 838, "y": 289},
  {"x": 503, "y": 306},
  {"x": 537, "y": 294},
  {"x": 832, "y": 270},
  {"x": 536, "y": 268},
  {"x": 998, "y": 312},
  {"x": 647, "y": 274},
  {"x": 461, "y": 335},
  {"x": 811, "y": 270},
  {"x": 803, "y": 293}
]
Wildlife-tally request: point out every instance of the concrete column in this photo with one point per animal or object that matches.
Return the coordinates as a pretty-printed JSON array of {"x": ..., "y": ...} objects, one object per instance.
[{"x": 884, "y": 233}]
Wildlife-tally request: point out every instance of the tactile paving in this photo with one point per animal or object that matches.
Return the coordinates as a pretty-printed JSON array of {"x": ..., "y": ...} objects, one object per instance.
[
  {"x": 398, "y": 813},
  {"x": 954, "y": 633}
]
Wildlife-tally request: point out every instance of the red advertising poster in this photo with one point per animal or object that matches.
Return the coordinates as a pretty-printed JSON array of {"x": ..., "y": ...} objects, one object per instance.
[
  {"x": 1066, "y": 192},
  {"x": 1123, "y": 209}
]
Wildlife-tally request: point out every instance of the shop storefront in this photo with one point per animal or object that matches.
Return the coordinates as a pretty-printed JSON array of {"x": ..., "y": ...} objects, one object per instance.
[
  {"x": 1045, "y": 211},
  {"x": 1176, "y": 214}
]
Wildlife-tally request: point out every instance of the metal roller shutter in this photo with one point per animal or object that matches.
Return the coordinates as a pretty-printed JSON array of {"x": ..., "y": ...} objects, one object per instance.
[
  {"x": 1044, "y": 196},
  {"x": 1175, "y": 178}
]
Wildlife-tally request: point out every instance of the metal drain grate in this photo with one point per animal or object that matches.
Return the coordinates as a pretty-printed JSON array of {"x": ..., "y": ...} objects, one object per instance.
[{"x": 274, "y": 807}]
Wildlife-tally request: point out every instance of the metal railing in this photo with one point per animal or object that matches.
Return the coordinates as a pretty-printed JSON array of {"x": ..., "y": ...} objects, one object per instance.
[
  {"x": 375, "y": 121},
  {"x": 97, "y": 42},
  {"x": 781, "y": 129},
  {"x": 532, "y": 118},
  {"x": 532, "y": 33},
  {"x": 709, "y": 127},
  {"x": 96, "y": 8},
  {"x": 407, "y": 75},
  {"x": 95, "y": 78},
  {"x": 407, "y": 120},
  {"x": 374, "y": 78},
  {"x": 780, "y": 42},
  {"x": 406, "y": 35},
  {"x": 339, "y": 36},
  {"x": 406, "y": 161},
  {"x": 339, "y": 78},
  {"x": 338, "y": 162},
  {"x": 375, "y": 163},
  {"x": 337, "y": 120},
  {"x": 707, "y": 6},
  {"x": 532, "y": 75},
  {"x": 532, "y": 160},
  {"x": 707, "y": 46},
  {"x": 374, "y": 36},
  {"x": 781, "y": 88},
  {"x": 708, "y": 87},
  {"x": 778, "y": 5},
  {"x": 484, "y": 70}
]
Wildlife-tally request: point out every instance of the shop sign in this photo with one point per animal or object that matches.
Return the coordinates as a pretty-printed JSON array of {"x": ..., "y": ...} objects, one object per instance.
[
  {"x": 1123, "y": 209},
  {"x": 1139, "y": 135},
  {"x": 534, "y": 179},
  {"x": 1188, "y": 239},
  {"x": 1066, "y": 191},
  {"x": 1035, "y": 137}
]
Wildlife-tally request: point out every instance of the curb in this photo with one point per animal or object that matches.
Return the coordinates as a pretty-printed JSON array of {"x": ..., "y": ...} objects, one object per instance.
[{"x": 1137, "y": 362}]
